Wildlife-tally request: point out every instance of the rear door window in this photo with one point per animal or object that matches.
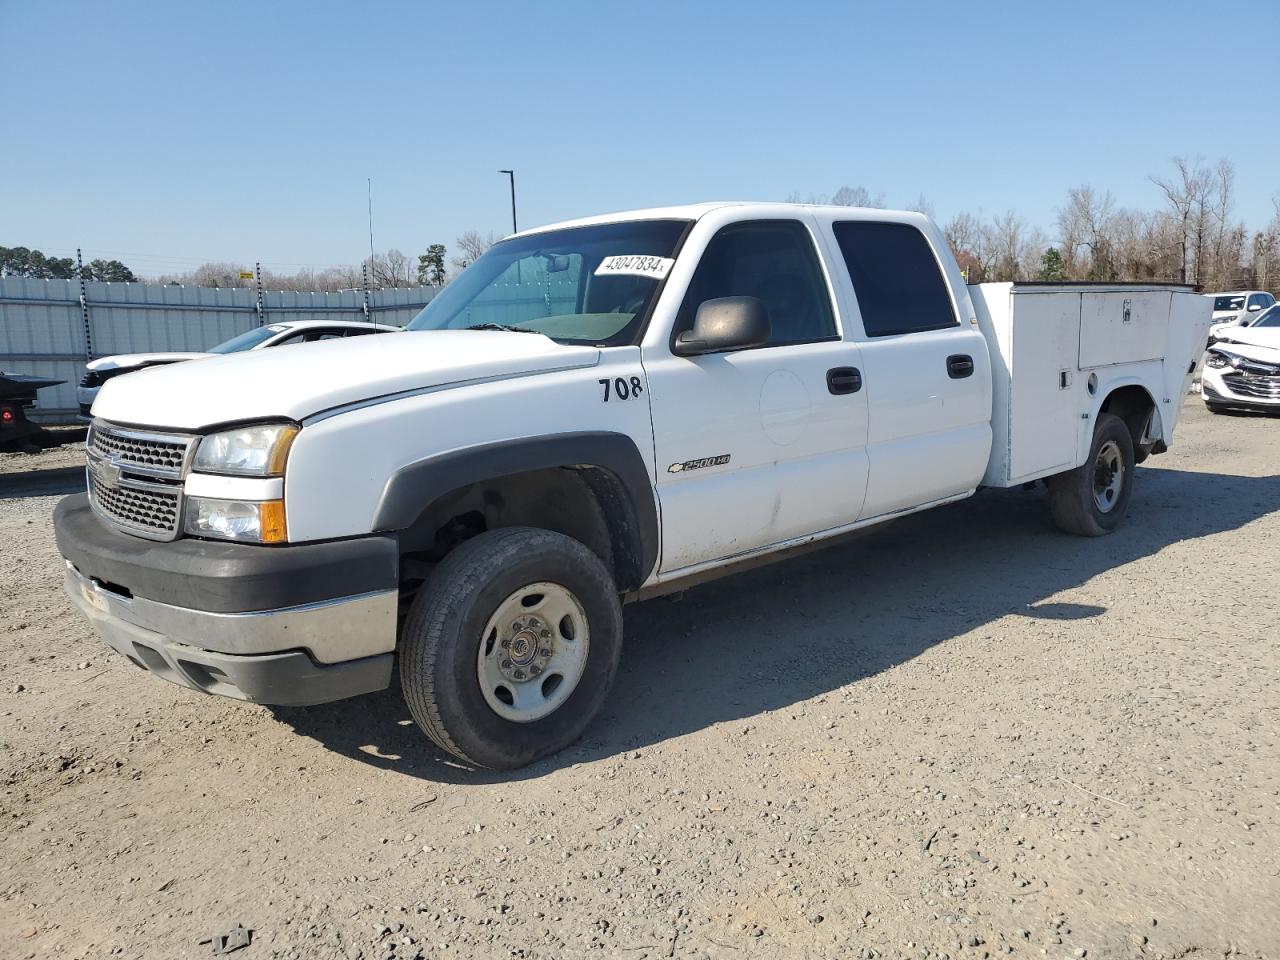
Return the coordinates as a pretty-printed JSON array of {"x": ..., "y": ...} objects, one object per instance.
[{"x": 896, "y": 278}]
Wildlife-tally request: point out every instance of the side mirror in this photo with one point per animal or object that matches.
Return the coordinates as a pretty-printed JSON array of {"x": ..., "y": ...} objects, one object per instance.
[
  {"x": 728, "y": 323},
  {"x": 1253, "y": 307}
]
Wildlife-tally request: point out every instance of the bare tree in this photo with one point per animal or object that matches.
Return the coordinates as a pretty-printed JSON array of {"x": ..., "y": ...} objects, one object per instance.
[
  {"x": 965, "y": 236},
  {"x": 1012, "y": 248},
  {"x": 219, "y": 275},
  {"x": 846, "y": 196},
  {"x": 390, "y": 269},
  {"x": 858, "y": 196},
  {"x": 1187, "y": 193},
  {"x": 1084, "y": 234},
  {"x": 922, "y": 205},
  {"x": 470, "y": 246}
]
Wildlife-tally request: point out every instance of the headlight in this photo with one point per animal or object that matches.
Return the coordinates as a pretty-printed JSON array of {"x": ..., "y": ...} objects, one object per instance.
[
  {"x": 245, "y": 520},
  {"x": 1217, "y": 360},
  {"x": 254, "y": 451}
]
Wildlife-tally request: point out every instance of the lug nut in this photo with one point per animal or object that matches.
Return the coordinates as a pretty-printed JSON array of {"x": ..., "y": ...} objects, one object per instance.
[
  {"x": 506, "y": 664},
  {"x": 535, "y": 670},
  {"x": 546, "y": 633},
  {"x": 519, "y": 674}
]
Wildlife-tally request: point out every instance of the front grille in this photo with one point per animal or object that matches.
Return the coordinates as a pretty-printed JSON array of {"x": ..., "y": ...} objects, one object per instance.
[
  {"x": 153, "y": 453},
  {"x": 135, "y": 478},
  {"x": 149, "y": 511},
  {"x": 1261, "y": 388}
]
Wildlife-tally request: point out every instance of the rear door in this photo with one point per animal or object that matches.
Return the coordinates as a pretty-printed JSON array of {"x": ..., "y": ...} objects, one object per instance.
[{"x": 927, "y": 375}]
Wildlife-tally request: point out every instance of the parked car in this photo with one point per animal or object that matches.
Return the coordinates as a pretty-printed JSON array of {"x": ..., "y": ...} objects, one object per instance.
[
  {"x": 1242, "y": 370},
  {"x": 17, "y": 395},
  {"x": 1222, "y": 331},
  {"x": 1238, "y": 307},
  {"x": 667, "y": 396},
  {"x": 99, "y": 371}
]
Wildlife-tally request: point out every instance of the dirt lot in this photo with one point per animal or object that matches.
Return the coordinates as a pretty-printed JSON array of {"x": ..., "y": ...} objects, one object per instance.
[{"x": 964, "y": 735}]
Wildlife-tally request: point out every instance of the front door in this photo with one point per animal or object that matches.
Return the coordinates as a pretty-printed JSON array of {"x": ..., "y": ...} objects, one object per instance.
[{"x": 760, "y": 446}]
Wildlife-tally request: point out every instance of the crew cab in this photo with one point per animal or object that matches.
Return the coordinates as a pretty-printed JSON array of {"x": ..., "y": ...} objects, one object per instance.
[
  {"x": 286, "y": 333},
  {"x": 594, "y": 412}
]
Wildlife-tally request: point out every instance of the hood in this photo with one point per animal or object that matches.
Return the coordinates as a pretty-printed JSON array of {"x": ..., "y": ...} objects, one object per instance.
[
  {"x": 295, "y": 382},
  {"x": 126, "y": 361},
  {"x": 1266, "y": 339}
]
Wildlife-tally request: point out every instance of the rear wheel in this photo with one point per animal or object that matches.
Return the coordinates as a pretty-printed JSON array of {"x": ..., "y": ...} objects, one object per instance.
[
  {"x": 511, "y": 646},
  {"x": 1092, "y": 499}
]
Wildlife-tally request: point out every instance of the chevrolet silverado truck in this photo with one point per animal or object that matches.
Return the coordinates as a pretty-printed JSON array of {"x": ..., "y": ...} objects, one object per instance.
[{"x": 593, "y": 413}]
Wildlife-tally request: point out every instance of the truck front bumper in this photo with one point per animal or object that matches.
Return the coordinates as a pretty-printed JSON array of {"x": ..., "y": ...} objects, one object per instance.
[{"x": 295, "y": 625}]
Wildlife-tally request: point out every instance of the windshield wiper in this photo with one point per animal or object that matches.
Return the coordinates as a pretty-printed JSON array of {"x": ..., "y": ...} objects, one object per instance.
[{"x": 505, "y": 328}]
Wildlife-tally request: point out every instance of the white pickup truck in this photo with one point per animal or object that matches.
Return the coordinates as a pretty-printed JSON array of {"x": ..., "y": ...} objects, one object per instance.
[{"x": 593, "y": 412}]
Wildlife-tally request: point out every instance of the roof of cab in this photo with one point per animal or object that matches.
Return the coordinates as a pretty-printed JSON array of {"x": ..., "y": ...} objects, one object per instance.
[
  {"x": 307, "y": 324},
  {"x": 695, "y": 211}
]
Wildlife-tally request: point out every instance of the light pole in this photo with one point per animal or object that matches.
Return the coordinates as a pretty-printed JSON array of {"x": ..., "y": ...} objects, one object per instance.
[{"x": 512, "y": 175}]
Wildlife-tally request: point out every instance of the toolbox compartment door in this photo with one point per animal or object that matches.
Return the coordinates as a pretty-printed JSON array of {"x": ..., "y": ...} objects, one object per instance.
[
  {"x": 1044, "y": 389},
  {"x": 1122, "y": 326}
]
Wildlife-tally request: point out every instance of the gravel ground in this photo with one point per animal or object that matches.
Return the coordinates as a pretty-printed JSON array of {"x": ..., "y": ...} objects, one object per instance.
[{"x": 964, "y": 735}]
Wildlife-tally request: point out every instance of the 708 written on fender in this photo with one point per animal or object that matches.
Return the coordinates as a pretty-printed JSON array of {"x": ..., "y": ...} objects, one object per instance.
[{"x": 621, "y": 387}]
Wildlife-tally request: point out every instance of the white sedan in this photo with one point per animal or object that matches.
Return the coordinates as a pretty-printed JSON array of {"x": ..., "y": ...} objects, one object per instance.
[
  {"x": 1242, "y": 370},
  {"x": 97, "y": 372}
]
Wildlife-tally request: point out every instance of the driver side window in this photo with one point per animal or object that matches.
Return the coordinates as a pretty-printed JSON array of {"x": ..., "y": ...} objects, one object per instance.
[{"x": 775, "y": 261}]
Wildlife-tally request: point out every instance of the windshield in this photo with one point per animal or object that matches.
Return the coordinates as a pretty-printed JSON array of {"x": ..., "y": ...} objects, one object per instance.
[
  {"x": 1228, "y": 303},
  {"x": 578, "y": 285},
  {"x": 247, "y": 340},
  {"x": 1268, "y": 318}
]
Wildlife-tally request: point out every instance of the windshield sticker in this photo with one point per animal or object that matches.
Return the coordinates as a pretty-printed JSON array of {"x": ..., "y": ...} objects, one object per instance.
[{"x": 635, "y": 265}]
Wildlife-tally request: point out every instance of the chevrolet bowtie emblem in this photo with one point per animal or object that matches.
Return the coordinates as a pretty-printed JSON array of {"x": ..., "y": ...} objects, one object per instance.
[{"x": 107, "y": 470}]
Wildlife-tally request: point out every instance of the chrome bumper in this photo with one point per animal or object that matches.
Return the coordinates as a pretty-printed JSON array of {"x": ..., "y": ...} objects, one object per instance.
[{"x": 296, "y": 655}]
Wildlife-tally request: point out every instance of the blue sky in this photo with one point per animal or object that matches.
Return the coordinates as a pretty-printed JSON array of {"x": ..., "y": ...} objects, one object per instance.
[{"x": 172, "y": 133}]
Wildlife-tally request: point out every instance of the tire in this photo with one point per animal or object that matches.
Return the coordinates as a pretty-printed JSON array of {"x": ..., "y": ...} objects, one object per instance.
[
  {"x": 1078, "y": 501},
  {"x": 452, "y": 646}
]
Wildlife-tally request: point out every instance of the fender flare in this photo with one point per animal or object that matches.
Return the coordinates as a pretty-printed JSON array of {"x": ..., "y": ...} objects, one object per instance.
[{"x": 414, "y": 487}]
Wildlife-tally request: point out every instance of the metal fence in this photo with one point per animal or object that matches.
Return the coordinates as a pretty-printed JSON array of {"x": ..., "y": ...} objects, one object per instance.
[{"x": 49, "y": 328}]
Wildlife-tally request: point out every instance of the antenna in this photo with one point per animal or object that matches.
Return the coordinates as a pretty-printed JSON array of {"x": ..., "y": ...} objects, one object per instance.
[{"x": 370, "y": 183}]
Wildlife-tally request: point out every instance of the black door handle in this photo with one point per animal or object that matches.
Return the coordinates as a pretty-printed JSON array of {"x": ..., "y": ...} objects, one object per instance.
[
  {"x": 959, "y": 366},
  {"x": 844, "y": 380}
]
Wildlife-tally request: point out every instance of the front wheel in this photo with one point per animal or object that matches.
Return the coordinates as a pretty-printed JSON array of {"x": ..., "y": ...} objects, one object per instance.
[
  {"x": 511, "y": 646},
  {"x": 1091, "y": 500}
]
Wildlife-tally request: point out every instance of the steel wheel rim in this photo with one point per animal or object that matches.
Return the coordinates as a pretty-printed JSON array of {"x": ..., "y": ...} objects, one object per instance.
[
  {"x": 1108, "y": 476},
  {"x": 533, "y": 652}
]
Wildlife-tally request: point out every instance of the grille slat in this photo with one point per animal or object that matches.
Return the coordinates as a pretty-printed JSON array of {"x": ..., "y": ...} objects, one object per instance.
[
  {"x": 1262, "y": 388},
  {"x": 140, "y": 509},
  {"x": 139, "y": 450},
  {"x": 135, "y": 479}
]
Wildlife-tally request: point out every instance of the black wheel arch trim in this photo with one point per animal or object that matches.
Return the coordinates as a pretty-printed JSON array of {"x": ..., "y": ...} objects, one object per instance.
[{"x": 413, "y": 488}]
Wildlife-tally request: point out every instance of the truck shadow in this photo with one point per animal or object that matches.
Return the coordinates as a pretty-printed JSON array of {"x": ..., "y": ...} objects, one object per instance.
[
  {"x": 782, "y": 634},
  {"x": 46, "y": 482}
]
